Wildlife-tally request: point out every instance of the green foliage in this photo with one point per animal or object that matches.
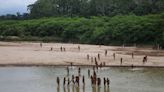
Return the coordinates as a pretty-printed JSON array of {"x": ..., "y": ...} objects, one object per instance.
[
  {"x": 85, "y": 8},
  {"x": 127, "y": 29}
]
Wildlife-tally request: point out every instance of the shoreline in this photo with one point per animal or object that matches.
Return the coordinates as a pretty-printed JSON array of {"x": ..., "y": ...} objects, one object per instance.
[{"x": 48, "y": 65}]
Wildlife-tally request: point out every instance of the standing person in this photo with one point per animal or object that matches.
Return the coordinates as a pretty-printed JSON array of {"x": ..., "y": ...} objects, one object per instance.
[
  {"x": 79, "y": 71},
  {"x": 98, "y": 56},
  {"x": 104, "y": 81},
  {"x": 144, "y": 59},
  {"x": 96, "y": 63},
  {"x": 108, "y": 81},
  {"x": 132, "y": 55},
  {"x": 106, "y": 52},
  {"x": 67, "y": 71},
  {"x": 64, "y": 81},
  {"x": 61, "y": 48},
  {"x": 87, "y": 56},
  {"x": 68, "y": 81},
  {"x": 73, "y": 81},
  {"x": 98, "y": 81},
  {"x": 114, "y": 56},
  {"x": 77, "y": 80},
  {"x": 83, "y": 80},
  {"x": 121, "y": 60},
  {"x": 94, "y": 74},
  {"x": 79, "y": 48},
  {"x": 99, "y": 84},
  {"x": 58, "y": 81},
  {"x": 91, "y": 79},
  {"x": 94, "y": 80},
  {"x": 88, "y": 73},
  {"x": 91, "y": 59}
]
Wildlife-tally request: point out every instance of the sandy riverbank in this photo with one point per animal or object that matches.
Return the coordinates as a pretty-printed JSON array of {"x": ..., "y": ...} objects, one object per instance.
[{"x": 26, "y": 53}]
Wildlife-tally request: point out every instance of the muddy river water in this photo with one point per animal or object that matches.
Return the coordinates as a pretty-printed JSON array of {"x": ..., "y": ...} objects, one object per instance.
[{"x": 43, "y": 79}]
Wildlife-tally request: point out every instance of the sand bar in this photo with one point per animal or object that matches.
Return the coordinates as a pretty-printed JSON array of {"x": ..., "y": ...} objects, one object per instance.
[{"x": 31, "y": 54}]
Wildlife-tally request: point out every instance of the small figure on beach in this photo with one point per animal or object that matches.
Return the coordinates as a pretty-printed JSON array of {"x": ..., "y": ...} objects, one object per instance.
[
  {"x": 95, "y": 60},
  {"x": 96, "y": 63},
  {"x": 106, "y": 52},
  {"x": 98, "y": 56},
  {"x": 87, "y": 56},
  {"x": 144, "y": 59},
  {"x": 79, "y": 48},
  {"x": 61, "y": 48},
  {"x": 132, "y": 55},
  {"x": 114, "y": 56},
  {"x": 91, "y": 59},
  {"x": 121, "y": 60}
]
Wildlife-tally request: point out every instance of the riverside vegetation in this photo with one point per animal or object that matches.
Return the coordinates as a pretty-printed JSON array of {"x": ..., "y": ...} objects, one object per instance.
[{"x": 132, "y": 22}]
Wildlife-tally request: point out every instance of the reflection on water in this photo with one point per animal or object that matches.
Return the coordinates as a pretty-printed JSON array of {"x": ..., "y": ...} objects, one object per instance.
[{"x": 43, "y": 79}]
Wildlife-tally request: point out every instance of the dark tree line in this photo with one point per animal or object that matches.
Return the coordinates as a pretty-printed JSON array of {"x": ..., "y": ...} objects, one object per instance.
[
  {"x": 117, "y": 30},
  {"x": 16, "y": 16},
  {"x": 46, "y": 8}
]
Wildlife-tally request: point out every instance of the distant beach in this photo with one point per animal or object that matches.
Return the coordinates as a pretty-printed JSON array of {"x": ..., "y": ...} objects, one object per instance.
[{"x": 51, "y": 54}]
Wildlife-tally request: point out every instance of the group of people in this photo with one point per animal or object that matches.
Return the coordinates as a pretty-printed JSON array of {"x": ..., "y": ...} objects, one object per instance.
[
  {"x": 94, "y": 79},
  {"x": 101, "y": 64},
  {"x": 98, "y": 57},
  {"x": 75, "y": 81}
]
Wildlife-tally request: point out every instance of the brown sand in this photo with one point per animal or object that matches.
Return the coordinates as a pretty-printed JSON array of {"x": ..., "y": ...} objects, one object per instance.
[{"x": 26, "y": 53}]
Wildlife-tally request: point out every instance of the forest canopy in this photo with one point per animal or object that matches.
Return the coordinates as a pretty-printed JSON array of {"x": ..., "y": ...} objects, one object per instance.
[
  {"x": 85, "y": 8},
  {"x": 118, "y": 30}
]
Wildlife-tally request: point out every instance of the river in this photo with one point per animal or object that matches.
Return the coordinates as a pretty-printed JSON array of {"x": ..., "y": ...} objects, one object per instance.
[{"x": 43, "y": 79}]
